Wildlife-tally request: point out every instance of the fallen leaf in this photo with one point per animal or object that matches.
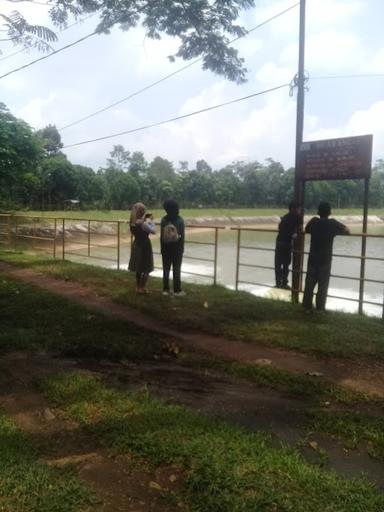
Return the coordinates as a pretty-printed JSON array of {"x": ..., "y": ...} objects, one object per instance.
[
  {"x": 155, "y": 485},
  {"x": 313, "y": 445}
]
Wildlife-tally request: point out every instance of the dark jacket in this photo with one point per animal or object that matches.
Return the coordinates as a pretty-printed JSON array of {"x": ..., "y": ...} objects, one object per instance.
[
  {"x": 178, "y": 222},
  {"x": 289, "y": 225},
  {"x": 323, "y": 231}
]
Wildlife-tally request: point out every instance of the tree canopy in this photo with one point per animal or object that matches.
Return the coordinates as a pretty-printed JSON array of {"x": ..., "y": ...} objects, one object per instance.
[
  {"x": 204, "y": 28},
  {"x": 35, "y": 173}
]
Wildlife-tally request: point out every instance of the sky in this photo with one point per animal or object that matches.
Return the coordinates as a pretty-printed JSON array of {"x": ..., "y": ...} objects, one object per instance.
[{"x": 343, "y": 37}]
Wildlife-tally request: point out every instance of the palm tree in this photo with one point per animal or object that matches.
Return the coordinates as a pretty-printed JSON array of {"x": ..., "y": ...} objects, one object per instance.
[{"x": 20, "y": 32}]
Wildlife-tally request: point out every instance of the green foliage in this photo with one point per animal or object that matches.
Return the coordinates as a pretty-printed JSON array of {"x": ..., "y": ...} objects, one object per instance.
[
  {"x": 27, "y": 484},
  {"x": 34, "y": 173},
  {"x": 351, "y": 427},
  {"x": 59, "y": 325},
  {"x": 20, "y": 32},
  {"x": 204, "y": 28},
  {"x": 51, "y": 139},
  {"x": 20, "y": 151},
  {"x": 235, "y": 315},
  {"x": 226, "y": 469}
]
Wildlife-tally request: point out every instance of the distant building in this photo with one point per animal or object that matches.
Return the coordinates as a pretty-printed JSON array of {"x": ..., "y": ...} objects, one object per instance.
[{"x": 71, "y": 204}]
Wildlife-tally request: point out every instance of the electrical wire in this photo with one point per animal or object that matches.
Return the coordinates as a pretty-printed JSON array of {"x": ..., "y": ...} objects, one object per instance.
[
  {"x": 9, "y": 55},
  {"x": 49, "y": 55},
  {"x": 166, "y": 77},
  {"x": 177, "y": 118}
]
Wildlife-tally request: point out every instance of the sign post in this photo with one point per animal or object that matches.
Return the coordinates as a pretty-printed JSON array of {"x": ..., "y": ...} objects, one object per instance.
[
  {"x": 299, "y": 81},
  {"x": 347, "y": 158}
]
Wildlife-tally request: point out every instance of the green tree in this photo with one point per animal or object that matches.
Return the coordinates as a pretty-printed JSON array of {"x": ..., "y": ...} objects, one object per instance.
[
  {"x": 20, "y": 153},
  {"x": 123, "y": 189},
  {"x": 120, "y": 158},
  {"x": 204, "y": 28},
  {"x": 88, "y": 187},
  {"x": 51, "y": 139},
  {"x": 58, "y": 180},
  {"x": 161, "y": 169},
  {"x": 138, "y": 166},
  {"x": 20, "y": 32}
]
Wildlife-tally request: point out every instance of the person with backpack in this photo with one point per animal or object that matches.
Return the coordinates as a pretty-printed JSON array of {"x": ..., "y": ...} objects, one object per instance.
[
  {"x": 141, "y": 260},
  {"x": 172, "y": 246}
]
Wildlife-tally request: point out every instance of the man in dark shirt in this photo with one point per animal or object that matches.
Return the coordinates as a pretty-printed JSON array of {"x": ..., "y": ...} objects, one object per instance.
[
  {"x": 288, "y": 228},
  {"x": 322, "y": 231}
]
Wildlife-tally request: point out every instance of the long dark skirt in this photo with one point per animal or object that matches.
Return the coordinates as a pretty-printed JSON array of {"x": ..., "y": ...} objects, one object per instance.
[{"x": 141, "y": 260}]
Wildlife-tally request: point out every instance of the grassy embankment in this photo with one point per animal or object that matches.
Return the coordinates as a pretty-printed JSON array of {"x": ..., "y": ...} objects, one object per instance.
[
  {"x": 189, "y": 213},
  {"x": 235, "y": 315},
  {"x": 26, "y": 484},
  {"x": 223, "y": 467}
]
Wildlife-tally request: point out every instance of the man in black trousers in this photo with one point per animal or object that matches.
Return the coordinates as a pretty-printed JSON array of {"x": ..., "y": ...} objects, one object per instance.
[
  {"x": 322, "y": 230},
  {"x": 288, "y": 228}
]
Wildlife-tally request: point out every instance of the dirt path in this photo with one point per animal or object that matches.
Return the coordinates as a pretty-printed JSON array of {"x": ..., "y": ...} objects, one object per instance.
[
  {"x": 358, "y": 375},
  {"x": 119, "y": 483}
]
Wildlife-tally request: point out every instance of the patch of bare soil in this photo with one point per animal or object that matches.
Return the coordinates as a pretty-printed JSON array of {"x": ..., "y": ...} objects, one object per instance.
[
  {"x": 358, "y": 375},
  {"x": 119, "y": 482}
]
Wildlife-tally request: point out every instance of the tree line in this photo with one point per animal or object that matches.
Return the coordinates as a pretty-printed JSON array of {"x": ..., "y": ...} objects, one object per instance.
[{"x": 36, "y": 174}]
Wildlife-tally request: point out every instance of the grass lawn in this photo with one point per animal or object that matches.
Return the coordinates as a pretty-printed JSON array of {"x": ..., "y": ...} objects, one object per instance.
[
  {"x": 188, "y": 213},
  {"x": 236, "y": 315},
  {"x": 29, "y": 485},
  {"x": 224, "y": 468},
  {"x": 32, "y": 319}
]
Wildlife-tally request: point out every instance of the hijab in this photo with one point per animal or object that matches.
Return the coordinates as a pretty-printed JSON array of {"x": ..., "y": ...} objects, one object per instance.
[{"x": 137, "y": 214}]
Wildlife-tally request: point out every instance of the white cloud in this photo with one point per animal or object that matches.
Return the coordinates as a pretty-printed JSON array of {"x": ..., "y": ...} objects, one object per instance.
[
  {"x": 37, "y": 110},
  {"x": 104, "y": 69},
  {"x": 328, "y": 50},
  {"x": 361, "y": 122}
]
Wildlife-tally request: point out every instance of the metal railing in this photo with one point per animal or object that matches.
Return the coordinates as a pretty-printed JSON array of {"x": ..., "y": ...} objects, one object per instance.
[
  {"x": 212, "y": 246},
  {"x": 363, "y": 258},
  {"x": 99, "y": 240},
  {"x": 82, "y": 239}
]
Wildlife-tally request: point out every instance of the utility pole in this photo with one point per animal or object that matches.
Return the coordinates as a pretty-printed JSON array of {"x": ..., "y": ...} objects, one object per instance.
[{"x": 299, "y": 81}]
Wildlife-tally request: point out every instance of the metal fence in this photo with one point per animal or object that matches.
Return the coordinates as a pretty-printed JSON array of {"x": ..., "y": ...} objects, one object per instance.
[
  {"x": 102, "y": 241},
  {"x": 108, "y": 243},
  {"x": 364, "y": 259}
]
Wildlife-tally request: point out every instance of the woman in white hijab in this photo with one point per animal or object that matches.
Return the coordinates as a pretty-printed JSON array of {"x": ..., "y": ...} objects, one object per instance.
[{"x": 141, "y": 260}]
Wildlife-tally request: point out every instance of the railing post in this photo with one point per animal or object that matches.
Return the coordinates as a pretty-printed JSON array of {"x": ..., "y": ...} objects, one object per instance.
[
  {"x": 215, "y": 257},
  {"x": 16, "y": 234},
  {"x": 238, "y": 258},
  {"x": 383, "y": 305},
  {"x": 363, "y": 246},
  {"x": 362, "y": 273},
  {"x": 54, "y": 238},
  {"x": 118, "y": 245},
  {"x": 89, "y": 238},
  {"x": 63, "y": 257},
  {"x": 9, "y": 231}
]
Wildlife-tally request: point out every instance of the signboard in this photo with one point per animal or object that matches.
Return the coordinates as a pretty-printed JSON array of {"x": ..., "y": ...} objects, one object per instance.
[{"x": 336, "y": 159}]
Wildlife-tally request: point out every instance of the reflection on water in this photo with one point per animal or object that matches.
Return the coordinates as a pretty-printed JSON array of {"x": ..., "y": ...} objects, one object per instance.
[{"x": 260, "y": 251}]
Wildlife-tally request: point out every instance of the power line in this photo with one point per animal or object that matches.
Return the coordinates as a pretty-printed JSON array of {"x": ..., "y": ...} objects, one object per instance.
[
  {"x": 163, "y": 79},
  {"x": 59, "y": 32},
  {"x": 177, "y": 118},
  {"x": 49, "y": 55}
]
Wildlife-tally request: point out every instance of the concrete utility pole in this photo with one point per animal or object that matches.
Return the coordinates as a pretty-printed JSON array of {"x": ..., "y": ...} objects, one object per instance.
[{"x": 299, "y": 184}]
